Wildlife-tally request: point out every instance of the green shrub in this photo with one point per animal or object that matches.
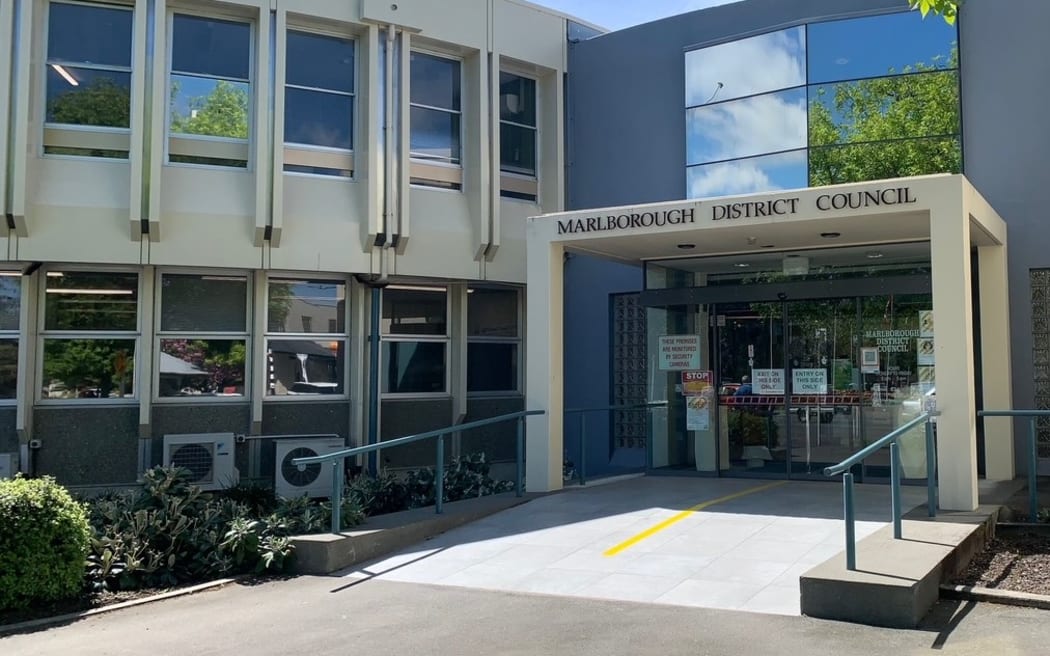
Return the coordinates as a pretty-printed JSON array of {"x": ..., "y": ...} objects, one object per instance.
[{"x": 43, "y": 542}]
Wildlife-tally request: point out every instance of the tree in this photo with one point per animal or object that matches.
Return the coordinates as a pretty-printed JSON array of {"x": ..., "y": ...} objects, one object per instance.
[
  {"x": 221, "y": 113},
  {"x": 887, "y": 127},
  {"x": 102, "y": 102},
  {"x": 948, "y": 9},
  {"x": 89, "y": 367}
]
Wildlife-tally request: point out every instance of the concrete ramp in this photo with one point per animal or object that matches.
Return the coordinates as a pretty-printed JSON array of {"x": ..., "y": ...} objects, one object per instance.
[{"x": 896, "y": 581}]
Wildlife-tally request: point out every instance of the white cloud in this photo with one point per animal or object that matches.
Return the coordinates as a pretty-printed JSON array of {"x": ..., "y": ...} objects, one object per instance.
[
  {"x": 741, "y": 177},
  {"x": 766, "y": 62},
  {"x": 752, "y": 126}
]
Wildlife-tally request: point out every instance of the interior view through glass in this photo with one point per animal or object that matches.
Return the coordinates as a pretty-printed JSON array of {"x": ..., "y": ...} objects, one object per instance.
[{"x": 788, "y": 363}]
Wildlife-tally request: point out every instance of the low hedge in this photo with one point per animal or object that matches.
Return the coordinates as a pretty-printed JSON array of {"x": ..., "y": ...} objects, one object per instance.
[{"x": 44, "y": 537}]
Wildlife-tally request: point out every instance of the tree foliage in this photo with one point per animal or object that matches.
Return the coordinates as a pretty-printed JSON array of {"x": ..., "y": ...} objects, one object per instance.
[
  {"x": 102, "y": 102},
  {"x": 948, "y": 9},
  {"x": 221, "y": 113}
]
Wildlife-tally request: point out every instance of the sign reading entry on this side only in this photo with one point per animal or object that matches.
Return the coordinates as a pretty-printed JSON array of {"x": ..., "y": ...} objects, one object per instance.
[
  {"x": 809, "y": 381},
  {"x": 679, "y": 352}
]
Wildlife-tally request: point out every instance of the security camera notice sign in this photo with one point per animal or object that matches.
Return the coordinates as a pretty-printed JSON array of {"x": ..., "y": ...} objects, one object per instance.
[{"x": 679, "y": 352}]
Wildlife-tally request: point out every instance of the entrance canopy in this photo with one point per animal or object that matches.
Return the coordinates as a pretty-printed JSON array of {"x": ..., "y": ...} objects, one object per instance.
[{"x": 944, "y": 211}]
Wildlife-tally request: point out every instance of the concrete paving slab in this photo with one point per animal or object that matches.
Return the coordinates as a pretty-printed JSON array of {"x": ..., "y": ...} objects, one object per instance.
[{"x": 746, "y": 552}]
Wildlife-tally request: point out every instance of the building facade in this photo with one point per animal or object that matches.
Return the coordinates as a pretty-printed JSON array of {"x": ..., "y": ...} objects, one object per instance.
[
  {"x": 761, "y": 96},
  {"x": 205, "y": 201}
]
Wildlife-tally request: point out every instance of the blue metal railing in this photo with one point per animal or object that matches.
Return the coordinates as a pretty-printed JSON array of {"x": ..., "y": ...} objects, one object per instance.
[
  {"x": 337, "y": 458},
  {"x": 891, "y": 439},
  {"x": 581, "y": 471},
  {"x": 1033, "y": 451}
]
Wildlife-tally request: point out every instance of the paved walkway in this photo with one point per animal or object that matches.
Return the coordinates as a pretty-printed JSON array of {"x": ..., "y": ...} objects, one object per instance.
[{"x": 743, "y": 545}]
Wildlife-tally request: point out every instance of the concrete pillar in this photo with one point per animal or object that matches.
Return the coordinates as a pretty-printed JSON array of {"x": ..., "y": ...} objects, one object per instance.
[
  {"x": 953, "y": 348},
  {"x": 995, "y": 361},
  {"x": 543, "y": 368}
]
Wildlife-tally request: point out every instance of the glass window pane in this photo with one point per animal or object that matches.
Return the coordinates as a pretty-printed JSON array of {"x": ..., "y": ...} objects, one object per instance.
[
  {"x": 304, "y": 367},
  {"x": 89, "y": 34},
  {"x": 415, "y": 311},
  {"x": 435, "y": 81},
  {"x": 517, "y": 149},
  {"x": 203, "y": 303},
  {"x": 79, "y": 300},
  {"x": 318, "y": 119},
  {"x": 295, "y": 304},
  {"x": 492, "y": 367},
  {"x": 492, "y": 312},
  {"x": 202, "y": 367},
  {"x": 883, "y": 160},
  {"x": 84, "y": 96},
  {"x": 216, "y": 108},
  {"x": 323, "y": 62},
  {"x": 8, "y": 368},
  {"x": 855, "y": 48},
  {"x": 10, "y": 300},
  {"x": 758, "y": 64},
  {"x": 517, "y": 99},
  {"x": 878, "y": 109},
  {"x": 745, "y": 176},
  {"x": 435, "y": 135},
  {"x": 742, "y": 128},
  {"x": 88, "y": 368},
  {"x": 413, "y": 367},
  {"x": 208, "y": 46}
]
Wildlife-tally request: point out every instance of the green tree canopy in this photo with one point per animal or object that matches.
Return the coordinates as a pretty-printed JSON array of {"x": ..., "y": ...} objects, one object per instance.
[
  {"x": 948, "y": 9},
  {"x": 221, "y": 113}
]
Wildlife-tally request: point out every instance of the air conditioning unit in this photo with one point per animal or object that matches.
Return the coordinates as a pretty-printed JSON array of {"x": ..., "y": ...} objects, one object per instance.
[
  {"x": 313, "y": 481},
  {"x": 209, "y": 456},
  {"x": 8, "y": 465}
]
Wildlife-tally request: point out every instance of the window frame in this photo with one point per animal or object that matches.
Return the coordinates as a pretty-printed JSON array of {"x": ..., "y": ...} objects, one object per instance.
[
  {"x": 15, "y": 335},
  {"x": 519, "y": 341},
  {"x": 87, "y": 131},
  {"x": 510, "y": 179},
  {"x": 445, "y": 339},
  {"x": 451, "y": 176},
  {"x": 253, "y": 74},
  {"x": 344, "y": 337},
  {"x": 159, "y": 335},
  {"x": 354, "y": 107},
  {"x": 43, "y": 334}
]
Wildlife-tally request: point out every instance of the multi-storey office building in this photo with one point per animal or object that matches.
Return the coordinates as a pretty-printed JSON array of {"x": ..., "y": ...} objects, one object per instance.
[
  {"x": 206, "y": 201},
  {"x": 806, "y": 312}
]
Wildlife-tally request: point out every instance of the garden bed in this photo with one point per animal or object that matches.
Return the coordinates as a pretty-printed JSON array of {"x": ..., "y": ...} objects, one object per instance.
[
  {"x": 1017, "y": 560},
  {"x": 83, "y": 603}
]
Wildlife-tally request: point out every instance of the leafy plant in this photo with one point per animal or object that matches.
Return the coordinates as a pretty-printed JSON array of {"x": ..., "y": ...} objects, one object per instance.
[{"x": 43, "y": 542}]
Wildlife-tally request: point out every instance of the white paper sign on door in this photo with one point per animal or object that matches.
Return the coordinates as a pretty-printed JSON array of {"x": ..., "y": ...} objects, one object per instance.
[
  {"x": 679, "y": 352},
  {"x": 809, "y": 381},
  {"x": 767, "y": 381}
]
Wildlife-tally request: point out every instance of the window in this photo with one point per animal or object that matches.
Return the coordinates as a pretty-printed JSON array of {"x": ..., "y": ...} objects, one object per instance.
[
  {"x": 311, "y": 361},
  {"x": 91, "y": 331},
  {"x": 209, "y": 113},
  {"x": 88, "y": 88},
  {"x": 517, "y": 136},
  {"x": 10, "y": 302},
  {"x": 435, "y": 118},
  {"x": 202, "y": 336},
  {"x": 319, "y": 105},
  {"x": 415, "y": 340},
  {"x": 493, "y": 340}
]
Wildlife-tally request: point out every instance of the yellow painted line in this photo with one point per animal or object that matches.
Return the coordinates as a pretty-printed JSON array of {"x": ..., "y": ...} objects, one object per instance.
[{"x": 670, "y": 521}]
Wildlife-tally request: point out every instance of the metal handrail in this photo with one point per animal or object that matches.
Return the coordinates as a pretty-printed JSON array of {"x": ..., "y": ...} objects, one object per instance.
[
  {"x": 890, "y": 439},
  {"x": 338, "y": 457},
  {"x": 1033, "y": 450},
  {"x": 581, "y": 471}
]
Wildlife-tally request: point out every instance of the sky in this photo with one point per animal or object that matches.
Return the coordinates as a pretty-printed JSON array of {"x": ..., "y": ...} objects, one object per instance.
[{"x": 617, "y": 14}]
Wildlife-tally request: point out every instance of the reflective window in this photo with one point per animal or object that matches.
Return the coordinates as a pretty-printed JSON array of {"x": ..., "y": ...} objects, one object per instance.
[
  {"x": 319, "y": 97},
  {"x": 759, "y": 64},
  {"x": 493, "y": 340},
  {"x": 10, "y": 300},
  {"x": 88, "y": 368},
  {"x": 435, "y": 109},
  {"x": 741, "y": 128},
  {"x": 305, "y": 367},
  {"x": 202, "y": 367},
  {"x": 88, "y": 71},
  {"x": 746, "y": 176},
  {"x": 301, "y": 367},
  {"x": 856, "y": 48},
  {"x": 89, "y": 301},
  {"x": 8, "y": 368},
  {"x": 413, "y": 367},
  {"x": 492, "y": 312},
  {"x": 881, "y": 160},
  {"x": 210, "y": 85},
  {"x": 309, "y": 306},
  {"x": 415, "y": 311},
  {"x": 203, "y": 303},
  {"x": 517, "y": 129},
  {"x": 492, "y": 367}
]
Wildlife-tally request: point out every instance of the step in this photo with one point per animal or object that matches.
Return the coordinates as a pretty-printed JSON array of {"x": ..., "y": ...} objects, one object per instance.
[{"x": 896, "y": 581}]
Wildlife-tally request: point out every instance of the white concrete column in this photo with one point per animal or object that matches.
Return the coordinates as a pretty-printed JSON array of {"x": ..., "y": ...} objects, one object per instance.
[
  {"x": 953, "y": 348},
  {"x": 544, "y": 378},
  {"x": 997, "y": 393}
]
